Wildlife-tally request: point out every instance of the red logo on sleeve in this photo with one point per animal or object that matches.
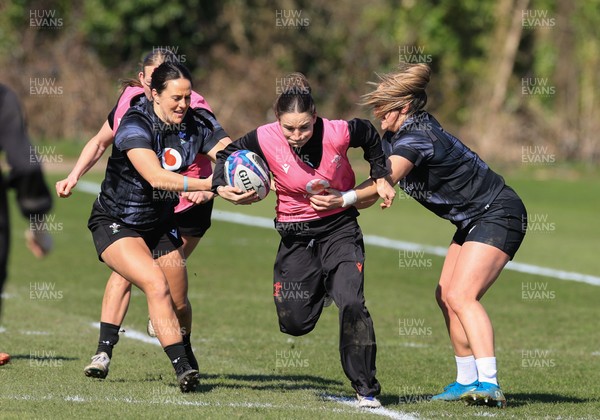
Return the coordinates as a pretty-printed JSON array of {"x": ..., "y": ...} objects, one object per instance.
[{"x": 277, "y": 287}]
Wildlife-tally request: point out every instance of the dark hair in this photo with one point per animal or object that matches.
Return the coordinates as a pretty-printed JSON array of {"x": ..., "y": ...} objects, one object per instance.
[
  {"x": 158, "y": 56},
  {"x": 295, "y": 96},
  {"x": 154, "y": 58},
  {"x": 168, "y": 71}
]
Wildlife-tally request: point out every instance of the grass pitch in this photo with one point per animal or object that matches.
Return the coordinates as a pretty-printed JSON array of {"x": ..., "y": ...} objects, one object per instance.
[{"x": 548, "y": 347}]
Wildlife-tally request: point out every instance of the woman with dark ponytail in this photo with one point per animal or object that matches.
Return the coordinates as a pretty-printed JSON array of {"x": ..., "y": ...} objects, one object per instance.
[
  {"x": 449, "y": 179},
  {"x": 321, "y": 252},
  {"x": 132, "y": 220},
  {"x": 192, "y": 213}
]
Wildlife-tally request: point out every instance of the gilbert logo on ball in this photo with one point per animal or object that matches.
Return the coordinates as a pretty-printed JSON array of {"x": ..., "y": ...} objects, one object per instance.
[
  {"x": 317, "y": 186},
  {"x": 171, "y": 159},
  {"x": 249, "y": 172}
]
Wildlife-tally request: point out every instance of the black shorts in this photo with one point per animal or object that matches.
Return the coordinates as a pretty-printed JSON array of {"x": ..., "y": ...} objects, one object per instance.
[
  {"x": 106, "y": 230},
  {"x": 195, "y": 221},
  {"x": 503, "y": 225}
]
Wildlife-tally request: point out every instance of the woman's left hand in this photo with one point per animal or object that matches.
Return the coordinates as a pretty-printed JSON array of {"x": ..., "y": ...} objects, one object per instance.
[
  {"x": 236, "y": 196},
  {"x": 330, "y": 201}
]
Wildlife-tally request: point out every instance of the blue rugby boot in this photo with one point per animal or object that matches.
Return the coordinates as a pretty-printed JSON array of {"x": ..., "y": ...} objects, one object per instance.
[
  {"x": 454, "y": 391},
  {"x": 486, "y": 394}
]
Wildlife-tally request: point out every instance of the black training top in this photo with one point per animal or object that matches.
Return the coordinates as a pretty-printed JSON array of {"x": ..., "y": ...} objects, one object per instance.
[
  {"x": 448, "y": 178},
  {"x": 125, "y": 194}
]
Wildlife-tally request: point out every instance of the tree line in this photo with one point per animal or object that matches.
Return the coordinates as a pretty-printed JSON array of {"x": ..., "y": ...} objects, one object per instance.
[{"x": 516, "y": 79}]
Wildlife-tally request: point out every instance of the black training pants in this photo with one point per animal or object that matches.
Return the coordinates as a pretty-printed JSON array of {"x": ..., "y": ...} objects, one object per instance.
[{"x": 304, "y": 270}]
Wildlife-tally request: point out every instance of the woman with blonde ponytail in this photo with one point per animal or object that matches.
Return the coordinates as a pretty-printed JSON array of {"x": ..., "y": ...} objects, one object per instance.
[{"x": 452, "y": 181}]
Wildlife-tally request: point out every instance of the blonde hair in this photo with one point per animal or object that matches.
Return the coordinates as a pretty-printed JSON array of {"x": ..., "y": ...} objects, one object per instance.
[{"x": 397, "y": 90}]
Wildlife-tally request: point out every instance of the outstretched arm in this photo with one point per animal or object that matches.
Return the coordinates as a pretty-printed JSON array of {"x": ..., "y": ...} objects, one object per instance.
[
  {"x": 146, "y": 163},
  {"x": 363, "y": 134},
  {"x": 367, "y": 192},
  {"x": 148, "y": 166},
  {"x": 91, "y": 153}
]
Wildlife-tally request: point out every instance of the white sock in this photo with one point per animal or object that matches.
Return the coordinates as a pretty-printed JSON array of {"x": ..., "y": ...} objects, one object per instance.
[
  {"x": 486, "y": 367},
  {"x": 466, "y": 370}
]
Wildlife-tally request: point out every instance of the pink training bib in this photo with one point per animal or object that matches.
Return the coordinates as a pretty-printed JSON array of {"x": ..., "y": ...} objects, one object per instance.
[{"x": 296, "y": 181}]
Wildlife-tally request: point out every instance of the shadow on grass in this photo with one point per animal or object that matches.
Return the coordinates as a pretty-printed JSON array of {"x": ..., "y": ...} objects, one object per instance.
[
  {"x": 514, "y": 400},
  {"x": 208, "y": 382},
  {"x": 266, "y": 382},
  {"x": 33, "y": 356},
  {"x": 518, "y": 400}
]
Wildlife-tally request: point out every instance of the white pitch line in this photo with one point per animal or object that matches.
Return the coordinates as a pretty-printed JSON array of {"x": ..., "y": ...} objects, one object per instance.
[
  {"x": 380, "y": 241},
  {"x": 88, "y": 187},
  {"x": 26, "y": 332},
  {"x": 175, "y": 400},
  {"x": 391, "y": 414}
]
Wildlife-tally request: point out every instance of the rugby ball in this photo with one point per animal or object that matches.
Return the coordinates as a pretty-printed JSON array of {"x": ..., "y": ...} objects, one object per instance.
[{"x": 249, "y": 172}]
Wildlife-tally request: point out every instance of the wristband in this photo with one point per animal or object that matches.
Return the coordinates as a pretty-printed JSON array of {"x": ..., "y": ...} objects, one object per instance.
[
  {"x": 349, "y": 198},
  {"x": 185, "y": 184}
]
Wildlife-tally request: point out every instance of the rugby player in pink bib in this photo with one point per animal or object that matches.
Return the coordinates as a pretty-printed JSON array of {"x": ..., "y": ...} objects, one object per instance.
[{"x": 321, "y": 252}]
